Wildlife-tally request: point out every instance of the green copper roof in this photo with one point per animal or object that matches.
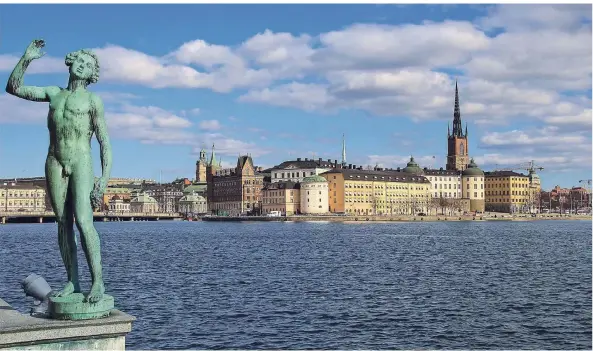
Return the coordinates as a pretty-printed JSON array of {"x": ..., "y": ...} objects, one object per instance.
[
  {"x": 413, "y": 167},
  {"x": 314, "y": 179},
  {"x": 193, "y": 197},
  {"x": 195, "y": 188},
  {"x": 472, "y": 169},
  {"x": 145, "y": 198}
]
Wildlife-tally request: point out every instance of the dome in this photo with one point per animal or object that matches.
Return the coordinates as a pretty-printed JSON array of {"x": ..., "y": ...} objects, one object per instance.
[
  {"x": 473, "y": 170},
  {"x": 413, "y": 167},
  {"x": 314, "y": 179},
  {"x": 144, "y": 198}
]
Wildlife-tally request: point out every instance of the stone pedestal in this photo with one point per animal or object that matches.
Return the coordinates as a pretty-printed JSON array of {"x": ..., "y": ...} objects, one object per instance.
[{"x": 23, "y": 332}]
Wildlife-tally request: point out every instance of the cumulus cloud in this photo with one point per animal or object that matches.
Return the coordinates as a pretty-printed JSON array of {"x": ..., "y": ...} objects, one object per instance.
[
  {"x": 210, "y": 125},
  {"x": 550, "y": 146}
]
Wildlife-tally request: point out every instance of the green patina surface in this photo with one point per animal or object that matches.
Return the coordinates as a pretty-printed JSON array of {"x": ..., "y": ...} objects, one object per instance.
[
  {"x": 75, "y": 114},
  {"x": 75, "y": 307}
]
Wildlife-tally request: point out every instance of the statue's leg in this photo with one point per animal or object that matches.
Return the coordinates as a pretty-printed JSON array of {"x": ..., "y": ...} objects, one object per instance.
[
  {"x": 82, "y": 182},
  {"x": 57, "y": 186}
]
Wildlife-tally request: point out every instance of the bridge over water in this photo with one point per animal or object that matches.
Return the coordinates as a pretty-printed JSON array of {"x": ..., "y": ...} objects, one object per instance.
[{"x": 49, "y": 216}]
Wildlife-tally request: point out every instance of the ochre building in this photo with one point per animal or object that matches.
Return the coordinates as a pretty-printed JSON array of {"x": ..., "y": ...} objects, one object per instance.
[
  {"x": 507, "y": 191},
  {"x": 362, "y": 192}
]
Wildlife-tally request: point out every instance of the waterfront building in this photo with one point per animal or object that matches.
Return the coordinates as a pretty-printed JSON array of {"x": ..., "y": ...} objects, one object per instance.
[
  {"x": 166, "y": 195},
  {"x": 118, "y": 204},
  {"x": 457, "y": 145},
  {"x": 113, "y": 182},
  {"x": 19, "y": 197},
  {"x": 284, "y": 197},
  {"x": 111, "y": 192},
  {"x": 297, "y": 170},
  {"x": 381, "y": 192},
  {"x": 507, "y": 191},
  {"x": 143, "y": 203},
  {"x": 193, "y": 203},
  {"x": 314, "y": 195},
  {"x": 236, "y": 192},
  {"x": 472, "y": 184}
]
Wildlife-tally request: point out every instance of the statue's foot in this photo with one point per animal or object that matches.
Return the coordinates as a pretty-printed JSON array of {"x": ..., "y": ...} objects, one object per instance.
[
  {"x": 96, "y": 293},
  {"x": 68, "y": 289}
]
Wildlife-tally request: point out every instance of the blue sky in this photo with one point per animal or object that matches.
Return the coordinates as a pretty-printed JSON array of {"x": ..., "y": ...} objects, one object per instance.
[{"x": 285, "y": 81}]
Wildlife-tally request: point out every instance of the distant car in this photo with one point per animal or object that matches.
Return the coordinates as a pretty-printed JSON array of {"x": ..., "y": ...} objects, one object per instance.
[{"x": 421, "y": 214}]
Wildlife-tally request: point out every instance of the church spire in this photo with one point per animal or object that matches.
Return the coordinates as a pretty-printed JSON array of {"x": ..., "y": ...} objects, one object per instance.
[
  {"x": 213, "y": 158},
  {"x": 343, "y": 151},
  {"x": 457, "y": 127}
]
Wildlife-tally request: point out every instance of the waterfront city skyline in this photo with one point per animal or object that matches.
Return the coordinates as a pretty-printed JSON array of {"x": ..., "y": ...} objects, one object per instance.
[{"x": 178, "y": 78}]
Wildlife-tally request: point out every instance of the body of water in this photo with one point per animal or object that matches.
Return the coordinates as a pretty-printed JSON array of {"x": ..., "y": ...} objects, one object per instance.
[{"x": 456, "y": 285}]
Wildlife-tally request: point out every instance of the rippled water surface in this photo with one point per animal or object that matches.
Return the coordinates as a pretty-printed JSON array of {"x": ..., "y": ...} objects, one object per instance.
[{"x": 517, "y": 285}]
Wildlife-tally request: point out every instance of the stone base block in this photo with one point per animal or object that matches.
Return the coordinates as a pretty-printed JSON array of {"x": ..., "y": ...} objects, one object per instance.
[
  {"x": 23, "y": 332},
  {"x": 73, "y": 307}
]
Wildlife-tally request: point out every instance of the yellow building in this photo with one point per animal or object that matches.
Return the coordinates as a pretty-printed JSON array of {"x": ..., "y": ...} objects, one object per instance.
[
  {"x": 282, "y": 196},
  {"x": 507, "y": 191},
  {"x": 15, "y": 197},
  {"x": 362, "y": 192}
]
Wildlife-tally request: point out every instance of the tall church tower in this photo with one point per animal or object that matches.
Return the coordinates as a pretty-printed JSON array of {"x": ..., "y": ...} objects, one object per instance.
[
  {"x": 457, "y": 147},
  {"x": 201, "y": 167}
]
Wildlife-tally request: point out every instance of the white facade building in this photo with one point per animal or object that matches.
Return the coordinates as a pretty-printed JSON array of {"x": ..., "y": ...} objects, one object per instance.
[
  {"x": 296, "y": 171},
  {"x": 314, "y": 195},
  {"x": 118, "y": 205},
  {"x": 193, "y": 203}
]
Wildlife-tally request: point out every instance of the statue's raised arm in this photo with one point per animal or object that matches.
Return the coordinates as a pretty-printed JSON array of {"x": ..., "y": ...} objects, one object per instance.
[{"x": 15, "y": 81}]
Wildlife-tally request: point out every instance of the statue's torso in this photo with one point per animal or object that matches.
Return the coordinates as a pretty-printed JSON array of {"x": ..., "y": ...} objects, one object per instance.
[{"x": 70, "y": 125}]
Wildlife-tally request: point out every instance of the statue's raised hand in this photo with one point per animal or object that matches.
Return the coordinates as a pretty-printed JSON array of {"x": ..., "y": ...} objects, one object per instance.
[{"x": 33, "y": 51}]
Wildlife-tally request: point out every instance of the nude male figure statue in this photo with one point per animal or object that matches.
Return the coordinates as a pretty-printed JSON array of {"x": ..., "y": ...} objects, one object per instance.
[{"x": 75, "y": 114}]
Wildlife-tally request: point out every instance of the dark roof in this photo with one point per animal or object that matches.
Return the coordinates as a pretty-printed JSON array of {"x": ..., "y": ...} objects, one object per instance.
[
  {"x": 434, "y": 172},
  {"x": 390, "y": 176},
  {"x": 282, "y": 185},
  {"x": 299, "y": 164},
  {"x": 242, "y": 160},
  {"x": 504, "y": 174}
]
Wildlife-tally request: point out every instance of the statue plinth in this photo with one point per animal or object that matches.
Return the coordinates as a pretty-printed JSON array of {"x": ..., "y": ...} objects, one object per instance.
[
  {"x": 73, "y": 307},
  {"x": 24, "y": 332}
]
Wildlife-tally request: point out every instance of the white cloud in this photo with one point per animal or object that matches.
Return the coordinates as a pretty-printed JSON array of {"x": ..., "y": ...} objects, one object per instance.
[
  {"x": 515, "y": 17},
  {"x": 210, "y": 125},
  {"x": 45, "y": 64},
  {"x": 19, "y": 111}
]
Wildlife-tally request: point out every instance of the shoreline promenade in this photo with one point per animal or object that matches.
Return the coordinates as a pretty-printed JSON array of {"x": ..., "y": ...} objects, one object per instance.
[{"x": 403, "y": 218}]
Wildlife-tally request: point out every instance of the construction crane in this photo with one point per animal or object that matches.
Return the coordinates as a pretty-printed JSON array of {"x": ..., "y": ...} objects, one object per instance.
[{"x": 530, "y": 167}]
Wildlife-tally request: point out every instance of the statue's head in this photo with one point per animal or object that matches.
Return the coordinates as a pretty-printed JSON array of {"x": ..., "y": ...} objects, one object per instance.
[{"x": 84, "y": 65}]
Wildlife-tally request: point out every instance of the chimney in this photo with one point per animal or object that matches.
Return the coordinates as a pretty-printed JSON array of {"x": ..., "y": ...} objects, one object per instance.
[
  {"x": 320, "y": 160},
  {"x": 398, "y": 169},
  {"x": 306, "y": 159},
  {"x": 298, "y": 159}
]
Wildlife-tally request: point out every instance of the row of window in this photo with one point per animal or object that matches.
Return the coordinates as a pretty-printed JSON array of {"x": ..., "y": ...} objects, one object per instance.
[
  {"x": 506, "y": 192},
  {"x": 21, "y": 194},
  {"x": 292, "y": 175}
]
